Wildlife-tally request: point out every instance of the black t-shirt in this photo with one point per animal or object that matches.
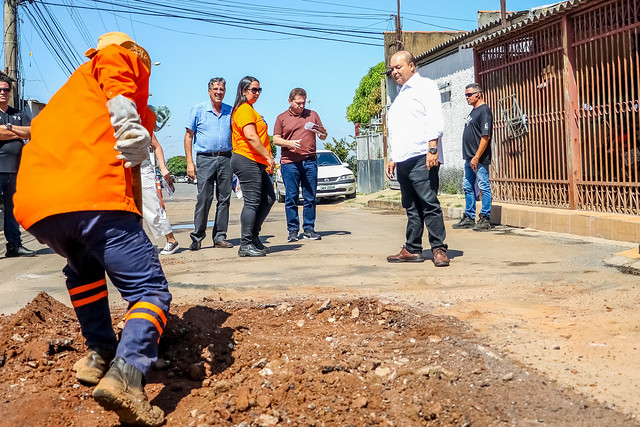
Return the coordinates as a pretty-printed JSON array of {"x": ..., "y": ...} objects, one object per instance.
[
  {"x": 479, "y": 123},
  {"x": 11, "y": 149}
]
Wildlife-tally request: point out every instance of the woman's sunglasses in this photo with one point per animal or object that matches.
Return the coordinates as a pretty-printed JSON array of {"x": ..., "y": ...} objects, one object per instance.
[{"x": 256, "y": 90}]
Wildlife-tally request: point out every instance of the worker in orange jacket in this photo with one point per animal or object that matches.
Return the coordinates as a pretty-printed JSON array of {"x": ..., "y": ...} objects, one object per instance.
[{"x": 75, "y": 192}]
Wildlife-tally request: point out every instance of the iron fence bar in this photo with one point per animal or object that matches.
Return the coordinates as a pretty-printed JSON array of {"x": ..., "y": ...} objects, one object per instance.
[
  {"x": 532, "y": 180},
  {"x": 600, "y": 90},
  {"x": 570, "y": 102},
  {"x": 528, "y": 58}
]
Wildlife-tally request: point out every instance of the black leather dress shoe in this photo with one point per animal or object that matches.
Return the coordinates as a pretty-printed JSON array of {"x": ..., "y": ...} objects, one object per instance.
[
  {"x": 16, "y": 251},
  {"x": 259, "y": 246},
  {"x": 250, "y": 250},
  {"x": 194, "y": 246}
]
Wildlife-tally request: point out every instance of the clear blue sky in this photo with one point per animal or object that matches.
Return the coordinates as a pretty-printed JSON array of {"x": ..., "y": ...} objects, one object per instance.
[{"x": 245, "y": 40}]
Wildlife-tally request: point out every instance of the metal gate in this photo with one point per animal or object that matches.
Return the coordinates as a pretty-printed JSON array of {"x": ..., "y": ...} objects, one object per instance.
[
  {"x": 523, "y": 86},
  {"x": 575, "y": 79},
  {"x": 370, "y": 156},
  {"x": 606, "y": 41}
]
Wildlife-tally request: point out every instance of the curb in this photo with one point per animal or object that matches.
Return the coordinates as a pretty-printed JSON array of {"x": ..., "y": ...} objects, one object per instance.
[
  {"x": 624, "y": 264},
  {"x": 447, "y": 212}
]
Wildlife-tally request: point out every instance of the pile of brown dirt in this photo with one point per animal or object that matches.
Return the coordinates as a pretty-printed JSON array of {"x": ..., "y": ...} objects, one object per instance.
[{"x": 359, "y": 362}]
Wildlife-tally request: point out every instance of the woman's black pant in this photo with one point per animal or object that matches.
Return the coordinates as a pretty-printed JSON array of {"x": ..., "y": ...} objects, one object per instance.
[{"x": 257, "y": 193}]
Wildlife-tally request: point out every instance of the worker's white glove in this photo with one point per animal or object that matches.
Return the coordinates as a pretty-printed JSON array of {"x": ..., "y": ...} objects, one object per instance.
[{"x": 133, "y": 139}]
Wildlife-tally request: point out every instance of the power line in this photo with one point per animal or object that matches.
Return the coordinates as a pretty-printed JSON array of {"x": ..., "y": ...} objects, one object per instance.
[
  {"x": 101, "y": 20},
  {"x": 431, "y": 24},
  {"x": 79, "y": 23},
  {"x": 53, "y": 36},
  {"x": 147, "y": 8},
  {"x": 381, "y": 10},
  {"x": 44, "y": 81},
  {"x": 42, "y": 33},
  {"x": 284, "y": 21}
]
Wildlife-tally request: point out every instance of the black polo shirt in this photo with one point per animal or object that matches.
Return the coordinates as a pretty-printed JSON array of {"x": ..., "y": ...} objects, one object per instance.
[
  {"x": 479, "y": 123},
  {"x": 11, "y": 149}
]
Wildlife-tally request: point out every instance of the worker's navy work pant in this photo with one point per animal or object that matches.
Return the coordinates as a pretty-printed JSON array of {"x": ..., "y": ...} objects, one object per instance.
[{"x": 95, "y": 242}]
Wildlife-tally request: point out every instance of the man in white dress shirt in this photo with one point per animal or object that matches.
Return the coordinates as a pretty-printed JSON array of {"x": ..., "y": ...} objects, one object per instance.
[{"x": 415, "y": 125}]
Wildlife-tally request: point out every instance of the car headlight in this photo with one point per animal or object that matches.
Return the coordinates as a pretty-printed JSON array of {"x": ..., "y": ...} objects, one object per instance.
[{"x": 347, "y": 178}]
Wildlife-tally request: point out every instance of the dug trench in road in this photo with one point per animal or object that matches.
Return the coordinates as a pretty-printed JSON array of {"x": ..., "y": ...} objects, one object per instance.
[{"x": 546, "y": 300}]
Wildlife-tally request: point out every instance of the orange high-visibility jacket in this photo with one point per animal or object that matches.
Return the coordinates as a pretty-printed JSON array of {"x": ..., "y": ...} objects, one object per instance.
[{"x": 70, "y": 164}]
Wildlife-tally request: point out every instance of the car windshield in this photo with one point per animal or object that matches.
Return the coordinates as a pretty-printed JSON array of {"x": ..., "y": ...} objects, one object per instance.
[{"x": 328, "y": 159}]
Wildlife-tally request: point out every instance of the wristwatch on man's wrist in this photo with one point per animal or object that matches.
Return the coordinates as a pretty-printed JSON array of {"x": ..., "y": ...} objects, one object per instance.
[
  {"x": 433, "y": 150},
  {"x": 9, "y": 126}
]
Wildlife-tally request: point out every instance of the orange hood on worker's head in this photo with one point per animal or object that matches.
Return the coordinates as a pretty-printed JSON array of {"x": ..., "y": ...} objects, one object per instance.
[{"x": 120, "y": 39}]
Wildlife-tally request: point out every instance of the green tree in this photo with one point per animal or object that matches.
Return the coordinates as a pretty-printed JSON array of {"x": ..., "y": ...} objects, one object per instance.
[
  {"x": 274, "y": 147},
  {"x": 367, "y": 102},
  {"x": 344, "y": 149},
  {"x": 177, "y": 165}
]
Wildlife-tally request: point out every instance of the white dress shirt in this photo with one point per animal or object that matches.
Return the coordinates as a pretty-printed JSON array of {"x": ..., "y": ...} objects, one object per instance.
[{"x": 414, "y": 119}]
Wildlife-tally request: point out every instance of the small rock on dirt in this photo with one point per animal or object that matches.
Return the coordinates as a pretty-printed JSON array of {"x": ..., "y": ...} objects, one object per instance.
[
  {"x": 325, "y": 306},
  {"x": 260, "y": 363},
  {"x": 354, "y": 361},
  {"x": 382, "y": 372},
  {"x": 265, "y": 420},
  {"x": 197, "y": 371},
  {"x": 360, "y": 402}
]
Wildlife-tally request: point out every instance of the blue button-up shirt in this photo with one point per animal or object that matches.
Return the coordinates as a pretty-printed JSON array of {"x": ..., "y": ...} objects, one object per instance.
[{"x": 211, "y": 132}]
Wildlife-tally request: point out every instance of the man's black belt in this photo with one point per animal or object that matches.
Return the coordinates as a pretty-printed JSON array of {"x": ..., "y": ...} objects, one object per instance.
[{"x": 216, "y": 153}]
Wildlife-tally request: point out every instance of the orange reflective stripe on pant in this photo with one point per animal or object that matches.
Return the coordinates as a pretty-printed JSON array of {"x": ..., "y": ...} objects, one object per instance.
[
  {"x": 145, "y": 316},
  {"x": 89, "y": 300},
  {"x": 88, "y": 287},
  {"x": 151, "y": 307}
]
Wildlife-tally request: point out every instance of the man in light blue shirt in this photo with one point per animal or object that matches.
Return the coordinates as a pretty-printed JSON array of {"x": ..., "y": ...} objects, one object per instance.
[{"x": 208, "y": 133}]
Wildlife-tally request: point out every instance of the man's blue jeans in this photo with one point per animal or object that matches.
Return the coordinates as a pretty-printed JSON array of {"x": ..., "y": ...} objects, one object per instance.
[
  {"x": 294, "y": 175},
  {"x": 481, "y": 176}
]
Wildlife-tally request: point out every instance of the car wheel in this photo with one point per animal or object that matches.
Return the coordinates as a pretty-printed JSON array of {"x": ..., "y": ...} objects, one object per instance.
[{"x": 350, "y": 196}]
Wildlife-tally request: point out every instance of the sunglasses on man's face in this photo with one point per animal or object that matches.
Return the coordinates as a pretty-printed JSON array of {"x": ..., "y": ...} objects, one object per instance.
[
  {"x": 5, "y": 89},
  {"x": 256, "y": 90},
  {"x": 469, "y": 95}
]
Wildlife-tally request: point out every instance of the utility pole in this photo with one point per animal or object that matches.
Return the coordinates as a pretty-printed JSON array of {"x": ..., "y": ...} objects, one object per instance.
[
  {"x": 503, "y": 13},
  {"x": 399, "y": 43},
  {"x": 11, "y": 47}
]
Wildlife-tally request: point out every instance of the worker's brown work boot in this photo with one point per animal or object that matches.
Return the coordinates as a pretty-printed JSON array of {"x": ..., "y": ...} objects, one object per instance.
[
  {"x": 122, "y": 391},
  {"x": 92, "y": 367}
]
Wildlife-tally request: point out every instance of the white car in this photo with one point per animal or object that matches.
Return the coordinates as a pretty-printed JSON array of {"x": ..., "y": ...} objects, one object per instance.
[{"x": 334, "y": 178}]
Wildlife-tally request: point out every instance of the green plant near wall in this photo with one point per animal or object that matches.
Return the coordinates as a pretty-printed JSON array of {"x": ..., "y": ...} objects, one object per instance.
[
  {"x": 367, "y": 101},
  {"x": 451, "y": 180}
]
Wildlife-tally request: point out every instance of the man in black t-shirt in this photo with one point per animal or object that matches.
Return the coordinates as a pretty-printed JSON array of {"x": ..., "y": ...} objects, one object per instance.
[
  {"x": 15, "y": 128},
  {"x": 476, "y": 152}
]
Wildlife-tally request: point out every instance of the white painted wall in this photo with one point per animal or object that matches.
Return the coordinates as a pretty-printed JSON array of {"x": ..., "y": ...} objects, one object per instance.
[{"x": 457, "y": 71}]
